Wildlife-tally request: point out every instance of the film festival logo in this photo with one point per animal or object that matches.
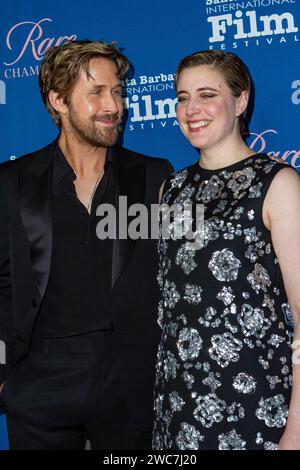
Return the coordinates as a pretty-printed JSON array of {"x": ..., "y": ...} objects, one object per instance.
[
  {"x": 247, "y": 23},
  {"x": 150, "y": 102}
]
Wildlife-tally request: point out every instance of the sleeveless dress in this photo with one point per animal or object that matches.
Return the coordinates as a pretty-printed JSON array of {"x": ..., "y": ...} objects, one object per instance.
[{"x": 223, "y": 375}]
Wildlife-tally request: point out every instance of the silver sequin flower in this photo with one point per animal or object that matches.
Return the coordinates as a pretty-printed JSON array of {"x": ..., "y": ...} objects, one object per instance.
[
  {"x": 235, "y": 412},
  {"x": 176, "y": 181},
  {"x": 210, "y": 314},
  {"x": 268, "y": 167},
  {"x": 170, "y": 294},
  {"x": 253, "y": 321},
  {"x": 164, "y": 268},
  {"x": 170, "y": 366},
  {"x": 226, "y": 295},
  {"x": 244, "y": 383},
  {"x": 259, "y": 278},
  {"x": 160, "y": 313},
  {"x": 209, "y": 410},
  {"x": 255, "y": 191},
  {"x": 273, "y": 381},
  {"x": 224, "y": 265},
  {"x": 189, "y": 344},
  {"x": 239, "y": 211},
  {"x": 220, "y": 206},
  {"x": 188, "y": 378},
  {"x": 212, "y": 229},
  {"x": 209, "y": 190},
  {"x": 178, "y": 178},
  {"x": 192, "y": 294},
  {"x": 241, "y": 180},
  {"x": 176, "y": 401},
  {"x": 185, "y": 195},
  {"x": 185, "y": 259},
  {"x": 231, "y": 441},
  {"x": 276, "y": 340},
  {"x": 251, "y": 236},
  {"x": 158, "y": 404},
  {"x": 225, "y": 349},
  {"x": 270, "y": 445},
  {"x": 251, "y": 214},
  {"x": 273, "y": 411},
  {"x": 212, "y": 381},
  {"x": 253, "y": 252},
  {"x": 188, "y": 437}
]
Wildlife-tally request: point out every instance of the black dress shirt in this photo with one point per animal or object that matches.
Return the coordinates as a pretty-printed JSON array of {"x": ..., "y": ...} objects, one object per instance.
[{"x": 78, "y": 295}]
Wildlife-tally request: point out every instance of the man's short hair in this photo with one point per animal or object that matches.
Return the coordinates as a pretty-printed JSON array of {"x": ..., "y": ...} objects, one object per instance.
[{"x": 62, "y": 65}]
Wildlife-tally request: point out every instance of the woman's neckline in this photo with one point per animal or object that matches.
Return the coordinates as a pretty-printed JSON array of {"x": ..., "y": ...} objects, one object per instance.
[{"x": 241, "y": 162}]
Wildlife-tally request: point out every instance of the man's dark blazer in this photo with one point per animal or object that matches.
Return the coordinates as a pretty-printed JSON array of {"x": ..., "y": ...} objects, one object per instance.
[{"x": 25, "y": 259}]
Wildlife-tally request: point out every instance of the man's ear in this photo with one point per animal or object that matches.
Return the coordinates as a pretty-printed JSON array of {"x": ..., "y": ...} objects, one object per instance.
[
  {"x": 242, "y": 103},
  {"x": 57, "y": 102}
]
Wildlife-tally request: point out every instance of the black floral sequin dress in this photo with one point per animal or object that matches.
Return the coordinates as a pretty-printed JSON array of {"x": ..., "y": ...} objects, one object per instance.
[{"x": 223, "y": 377}]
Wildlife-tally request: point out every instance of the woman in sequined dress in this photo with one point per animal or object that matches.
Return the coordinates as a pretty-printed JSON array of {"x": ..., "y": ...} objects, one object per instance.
[{"x": 231, "y": 299}]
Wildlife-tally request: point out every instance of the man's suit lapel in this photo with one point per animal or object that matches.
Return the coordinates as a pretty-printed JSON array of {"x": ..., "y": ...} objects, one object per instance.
[
  {"x": 130, "y": 175},
  {"x": 35, "y": 205}
]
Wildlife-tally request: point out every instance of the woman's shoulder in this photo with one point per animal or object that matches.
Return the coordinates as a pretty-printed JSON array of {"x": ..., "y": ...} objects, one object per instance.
[
  {"x": 267, "y": 162},
  {"x": 267, "y": 167}
]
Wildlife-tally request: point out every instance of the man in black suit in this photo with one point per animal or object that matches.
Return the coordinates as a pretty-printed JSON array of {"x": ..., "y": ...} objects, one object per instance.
[{"x": 78, "y": 313}]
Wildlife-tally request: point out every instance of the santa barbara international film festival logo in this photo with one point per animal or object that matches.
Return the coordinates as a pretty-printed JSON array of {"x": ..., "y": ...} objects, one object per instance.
[
  {"x": 251, "y": 23},
  {"x": 151, "y": 101}
]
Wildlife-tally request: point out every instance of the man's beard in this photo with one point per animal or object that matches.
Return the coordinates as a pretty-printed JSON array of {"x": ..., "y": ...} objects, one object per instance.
[{"x": 91, "y": 134}]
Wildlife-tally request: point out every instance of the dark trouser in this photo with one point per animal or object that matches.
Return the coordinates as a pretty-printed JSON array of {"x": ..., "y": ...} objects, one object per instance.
[{"x": 66, "y": 391}]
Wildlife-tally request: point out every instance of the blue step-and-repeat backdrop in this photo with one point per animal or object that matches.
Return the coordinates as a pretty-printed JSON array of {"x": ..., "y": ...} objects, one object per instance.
[{"x": 154, "y": 35}]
